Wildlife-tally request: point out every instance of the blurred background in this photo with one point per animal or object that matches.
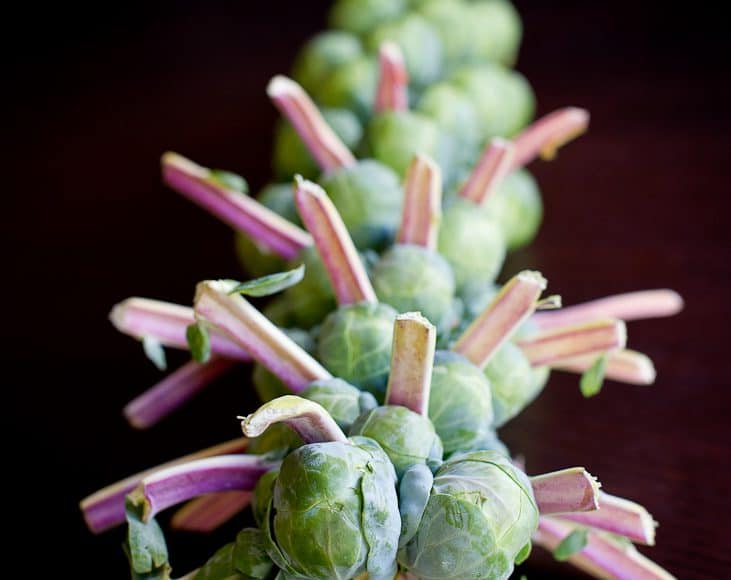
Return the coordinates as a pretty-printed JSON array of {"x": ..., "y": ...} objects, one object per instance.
[{"x": 98, "y": 93}]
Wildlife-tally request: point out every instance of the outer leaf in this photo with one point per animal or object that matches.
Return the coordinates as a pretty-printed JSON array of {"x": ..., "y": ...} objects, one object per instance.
[
  {"x": 571, "y": 544},
  {"x": 413, "y": 496},
  {"x": 230, "y": 180},
  {"x": 271, "y": 284},
  {"x": 155, "y": 352},
  {"x": 249, "y": 555},
  {"x": 592, "y": 379},
  {"x": 199, "y": 342},
  {"x": 220, "y": 566},
  {"x": 146, "y": 548}
]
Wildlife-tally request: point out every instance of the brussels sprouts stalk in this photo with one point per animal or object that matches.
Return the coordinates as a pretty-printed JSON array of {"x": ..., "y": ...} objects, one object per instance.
[
  {"x": 393, "y": 80},
  {"x": 509, "y": 309},
  {"x": 630, "y": 306},
  {"x": 589, "y": 338},
  {"x": 173, "y": 391},
  {"x": 240, "y": 211},
  {"x": 321, "y": 141},
  {"x": 105, "y": 508},
  {"x": 422, "y": 204},
  {"x": 568, "y": 490},
  {"x": 544, "y": 137},
  {"x": 335, "y": 246},
  {"x": 625, "y": 366},
  {"x": 174, "y": 485},
  {"x": 208, "y": 512},
  {"x": 309, "y": 419},
  {"x": 490, "y": 170},
  {"x": 236, "y": 317},
  {"x": 412, "y": 359}
]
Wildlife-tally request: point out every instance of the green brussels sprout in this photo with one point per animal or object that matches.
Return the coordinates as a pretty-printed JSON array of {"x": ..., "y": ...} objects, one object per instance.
[
  {"x": 512, "y": 382},
  {"x": 313, "y": 298},
  {"x": 262, "y": 496},
  {"x": 368, "y": 197},
  {"x": 453, "y": 111},
  {"x": 277, "y": 441},
  {"x": 354, "y": 343},
  {"x": 451, "y": 20},
  {"x": 460, "y": 403},
  {"x": 488, "y": 442},
  {"x": 291, "y": 157},
  {"x": 362, "y": 16},
  {"x": 472, "y": 243},
  {"x": 334, "y": 512},
  {"x": 496, "y": 31},
  {"x": 241, "y": 560},
  {"x": 517, "y": 208},
  {"x": 477, "y": 522},
  {"x": 342, "y": 401},
  {"x": 351, "y": 86},
  {"x": 414, "y": 279},
  {"x": 322, "y": 54},
  {"x": 407, "y": 437}
]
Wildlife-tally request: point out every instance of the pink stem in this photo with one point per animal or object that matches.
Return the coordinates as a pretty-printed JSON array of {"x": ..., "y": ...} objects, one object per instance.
[
  {"x": 625, "y": 366},
  {"x": 174, "y": 391},
  {"x": 491, "y": 169},
  {"x": 207, "y": 513},
  {"x": 392, "y": 93},
  {"x": 105, "y": 508},
  {"x": 568, "y": 490},
  {"x": 544, "y": 137},
  {"x": 237, "y": 318},
  {"x": 629, "y": 306},
  {"x": 166, "y": 322},
  {"x": 320, "y": 140},
  {"x": 514, "y": 304},
  {"x": 239, "y": 211},
  {"x": 589, "y": 338},
  {"x": 334, "y": 244},
  {"x": 422, "y": 204}
]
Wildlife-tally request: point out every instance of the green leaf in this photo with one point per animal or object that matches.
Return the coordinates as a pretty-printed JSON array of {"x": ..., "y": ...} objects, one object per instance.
[
  {"x": 229, "y": 180},
  {"x": 593, "y": 377},
  {"x": 267, "y": 285},
  {"x": 145, "y": 546},
  {"x": 199, "y": 342},
  {"x": 571, "y": 544},
  {"x": 154, "y": 351}
]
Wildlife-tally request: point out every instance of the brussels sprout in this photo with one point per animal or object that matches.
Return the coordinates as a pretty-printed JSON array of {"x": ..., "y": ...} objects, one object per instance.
[
  {"x": 453, "y": 111},
  {"x": 312, "y": 299},
  {"x": 488, "y": 442},
  {"x": 496, "y": 32},
  {"x": 291, "y": 157},
  {"x": 351, "y": 86},
  {"x": 517, "y": 208},
  {"x": 451, "y": 20},
  {"x": 478, "y": 520},
  {"x": 322, "y": 54},
  {"x": 242, "y": 560},
  {"x": 276, "y": 442},
  {"x": 512, "y": 382},
  {"x": 342, "y": 401},
  {"x": 460, "y": 404},
  {"x": 414, "y": 279},
  {"x": 355, "y": 344},
  {"x": 262, "y": 496},
  {"x": 362, "y": 16},
  {"x": 368, "y": 197},
  {"x": 334, "y": 512}
]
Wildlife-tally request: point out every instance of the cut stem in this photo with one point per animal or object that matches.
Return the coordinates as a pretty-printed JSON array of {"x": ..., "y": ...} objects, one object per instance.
[
  {"x": 624, "y": 366},
  {"x": 544, "y": 137},
  {"x": 309, "y": 419},
  {"x": 174, "y": 391},
  {"x": 568, "y": 490},
  {"x": 232, "y": 315},
  {"x": 422, "y": 204},
  {"x": 412, "y": 360},
  {"x": 321, "y": 141},
  {"x": 495, "y": 163},
  {"x": 341, "y": 260},
  {"x": 509, "y": 309},
  {"x": 240, "y": 211},
  {"x": 589, "y": 338},
  {"x": 207, "y": 513},
  {"x": 105, "y": 508},
  {"x": 392, "y": 93}
]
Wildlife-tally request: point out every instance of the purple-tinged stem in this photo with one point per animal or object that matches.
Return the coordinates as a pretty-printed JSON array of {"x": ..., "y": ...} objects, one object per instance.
[
  {"x": 589, "y": 338},
  {"x": 309, "y": 419},
  {"x": 619, "y": 516},
  {"x": 514, "y": 304},
  {"x": 174, "y": 485},
  {"x": 412, "y": 360},
  {"x": 207, "y": 513},
  {"x": 341, "y": 260},
  {"x": 630, "y": 306},
  {"x": 491, "y": 169},
  {"x": 321, "y": 141},
  {"x": 234, "y": 316},
  {"x": 603, "y": 556},
  {"x": 392, "y": 93},
  {"x": 624, "y": 366},
  {"x": 422, "y": 204},
  {"x": 105, "y": 508},
  {"x": 174, "y": 391},
  {"x": 240, "y": 211},
  {"x": 568, "y": 490},
  {"x": 544, "y": 137},
  {"x": 167, "y": 323}
]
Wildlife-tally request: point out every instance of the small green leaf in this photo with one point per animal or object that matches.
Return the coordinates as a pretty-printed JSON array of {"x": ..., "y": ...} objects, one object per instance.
[
  {"x": 145, "y": 545},
  {"x": 230, "y": 180},
  {"x": 199, "y": 342},
  {"x": 593, "y": 377},
  {"x": 571, "y": 544},
  {"x": 154, "y": 351},
  {"x": 267, "y": 285}
]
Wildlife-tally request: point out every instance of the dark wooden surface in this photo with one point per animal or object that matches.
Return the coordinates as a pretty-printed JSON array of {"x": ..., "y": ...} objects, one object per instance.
[{"x": 642, "y": 201}]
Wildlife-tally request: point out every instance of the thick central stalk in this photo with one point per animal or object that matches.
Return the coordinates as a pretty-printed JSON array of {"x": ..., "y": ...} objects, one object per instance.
[{"x": 422, "y": 204}]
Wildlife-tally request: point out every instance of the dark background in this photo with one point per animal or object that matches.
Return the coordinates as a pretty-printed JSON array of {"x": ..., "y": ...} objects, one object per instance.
[{"x": 100, "y": 92}]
